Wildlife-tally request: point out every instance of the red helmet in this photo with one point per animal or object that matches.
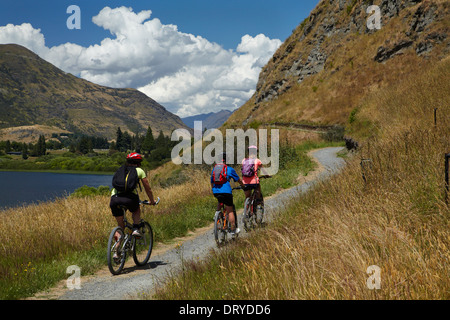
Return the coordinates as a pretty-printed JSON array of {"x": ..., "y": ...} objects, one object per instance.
[{"x": 134, "y": 156}]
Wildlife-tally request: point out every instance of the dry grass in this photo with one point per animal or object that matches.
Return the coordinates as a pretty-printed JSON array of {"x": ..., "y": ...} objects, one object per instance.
[
  {"x": 38, "y": 242},
  {"x": 323, "y": 243},
  {"x": 350, "y": 72}
]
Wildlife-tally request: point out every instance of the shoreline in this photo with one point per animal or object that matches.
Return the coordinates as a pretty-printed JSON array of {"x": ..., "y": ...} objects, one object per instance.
[{"x": 100, "y": 173}]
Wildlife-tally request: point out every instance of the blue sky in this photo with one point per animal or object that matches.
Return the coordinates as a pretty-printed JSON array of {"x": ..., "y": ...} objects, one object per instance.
[{"x": 243, "y": 34}]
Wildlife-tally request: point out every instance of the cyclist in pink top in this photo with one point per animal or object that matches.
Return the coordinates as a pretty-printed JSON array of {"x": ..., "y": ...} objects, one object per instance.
[{"x": 250, "y": 178}]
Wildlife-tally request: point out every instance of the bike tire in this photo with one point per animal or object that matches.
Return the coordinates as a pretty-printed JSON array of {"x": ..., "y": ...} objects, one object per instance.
[
  {"x": 142, "y": 247},
  {"x": 259, "y": 214},
  {"x": 116, "y": 265},
  {"x": 245, "y": 219},
  {"x": 220, "y": 235}
]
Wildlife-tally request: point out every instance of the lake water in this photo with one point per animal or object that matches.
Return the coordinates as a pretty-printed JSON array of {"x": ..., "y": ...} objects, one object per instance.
[{"x": 18, "y": 188}]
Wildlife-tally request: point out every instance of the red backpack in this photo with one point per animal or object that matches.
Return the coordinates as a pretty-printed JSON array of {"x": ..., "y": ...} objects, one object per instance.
[{"x": 219, "y": 173}]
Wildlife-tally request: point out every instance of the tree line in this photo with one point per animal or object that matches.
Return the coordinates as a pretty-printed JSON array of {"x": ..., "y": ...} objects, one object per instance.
[{"x": 155, "y": 150}]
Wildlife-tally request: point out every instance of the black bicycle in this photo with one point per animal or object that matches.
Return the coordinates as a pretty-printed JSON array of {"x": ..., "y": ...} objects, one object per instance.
[
  {"x": 253, "y": 210},
  {"x": 121, "y": 242}
]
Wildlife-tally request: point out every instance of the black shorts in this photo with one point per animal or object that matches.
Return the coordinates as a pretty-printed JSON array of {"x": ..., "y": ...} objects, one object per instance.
[
  {"x": 130, "y": 201},
  {"x": 251, "y": 186},
  {"x": 225, "y": 198}
]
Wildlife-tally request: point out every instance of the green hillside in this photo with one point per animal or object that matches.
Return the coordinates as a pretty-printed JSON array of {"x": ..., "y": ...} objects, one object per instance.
[{"x": 34, "y": 92}]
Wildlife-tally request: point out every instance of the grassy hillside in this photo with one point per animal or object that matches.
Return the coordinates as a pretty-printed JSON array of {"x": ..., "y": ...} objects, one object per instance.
[
  {"x": 322, "y": 244},
  {"x": 332, "y": 60},
  {"x": 32, "y": 91},
  {"x": 74, "y": 230}
]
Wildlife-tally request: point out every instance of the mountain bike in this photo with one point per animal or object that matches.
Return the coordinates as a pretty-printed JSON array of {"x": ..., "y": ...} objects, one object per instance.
[
  {"x": 222, "y": 225},
  {"x": 253, "y": 210},
  {"x": 140, "y": 247}
]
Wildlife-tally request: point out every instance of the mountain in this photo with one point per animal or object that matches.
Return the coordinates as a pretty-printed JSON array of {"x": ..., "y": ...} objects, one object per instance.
[
  {"x": 332, "y": 60},
  {"x": 34, "y": 92},
  {"x": 210, "y": 120}
]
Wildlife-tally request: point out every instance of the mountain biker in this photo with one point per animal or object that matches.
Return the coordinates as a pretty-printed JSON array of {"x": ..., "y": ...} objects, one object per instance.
[
  {"x": 131, "y": 199},
  {"x": 223, "y": 191},
  {"x": 250, "y": 179}
]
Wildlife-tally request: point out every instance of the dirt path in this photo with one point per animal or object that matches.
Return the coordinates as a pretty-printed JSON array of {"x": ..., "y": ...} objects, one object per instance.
[{"x": 166, "y": 259}]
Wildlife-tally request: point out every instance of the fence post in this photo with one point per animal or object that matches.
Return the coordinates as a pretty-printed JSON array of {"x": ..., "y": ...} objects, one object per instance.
[
  {"x": 363, "y": 169},
  {"x": 447, "y": 158},
  {"x": 435, "y": 117}
]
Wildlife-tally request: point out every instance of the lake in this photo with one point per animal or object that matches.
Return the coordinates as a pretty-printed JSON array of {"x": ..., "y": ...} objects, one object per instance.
[{"x": 18, "y": 188}]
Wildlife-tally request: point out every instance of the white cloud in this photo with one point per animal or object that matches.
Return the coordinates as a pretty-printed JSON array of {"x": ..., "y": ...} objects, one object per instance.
[
  {"x": 25, "y": 35},
  {"x": 186, "y": 73}
]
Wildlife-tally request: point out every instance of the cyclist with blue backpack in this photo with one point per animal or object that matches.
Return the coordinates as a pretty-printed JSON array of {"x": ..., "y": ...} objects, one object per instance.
[{"x": 221, "y": 188}]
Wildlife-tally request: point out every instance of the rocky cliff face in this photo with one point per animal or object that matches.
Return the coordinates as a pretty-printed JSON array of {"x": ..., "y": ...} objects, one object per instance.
[{"x": 334, "y": 44}]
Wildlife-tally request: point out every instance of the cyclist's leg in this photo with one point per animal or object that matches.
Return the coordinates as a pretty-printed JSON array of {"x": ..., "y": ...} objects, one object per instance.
[
  {"x": 135, "y": 209},
  {"x": 231, "y": 217},
  {"x": 219, "y": 198},
  {"x": 117, "y": 212},
  {"x": 231, "y": 209},
  {"x": 259, "y": 195},
  {"x": 247, "y": 193},
  {"x": 120, "y": 222}
]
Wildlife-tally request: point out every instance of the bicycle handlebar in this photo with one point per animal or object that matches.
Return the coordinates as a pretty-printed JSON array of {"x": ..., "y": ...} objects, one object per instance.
[
  {"x": 146, "y": 202},
  {"x": 262, "y": 177}
]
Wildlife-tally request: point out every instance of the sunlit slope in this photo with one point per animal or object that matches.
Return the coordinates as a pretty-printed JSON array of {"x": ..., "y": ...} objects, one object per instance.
[{"x": 332, "y": 61}]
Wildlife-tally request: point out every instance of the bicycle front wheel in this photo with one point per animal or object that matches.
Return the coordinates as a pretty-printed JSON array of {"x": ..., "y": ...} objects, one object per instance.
[
  {"x": 143, "y": 246},
  {"x": 115, "y": 254}
]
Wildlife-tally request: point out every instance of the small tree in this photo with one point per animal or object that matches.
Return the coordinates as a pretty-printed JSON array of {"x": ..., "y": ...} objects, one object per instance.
[
  {"x": 24, "y": 151},
  {"x": 149, "y": 142}
]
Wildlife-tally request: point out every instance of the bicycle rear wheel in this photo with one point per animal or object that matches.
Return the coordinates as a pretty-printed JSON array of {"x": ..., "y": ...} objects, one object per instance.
[
  {"x": 115, "y": 255},
  {"x": 143, "y": 246},
  {"x": 220, "y": 233},
  {"x": 246, "y": 215},
  {"x": 260, "y": 214}
]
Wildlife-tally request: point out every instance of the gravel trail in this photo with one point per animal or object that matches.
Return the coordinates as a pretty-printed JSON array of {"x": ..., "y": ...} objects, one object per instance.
[{"x": 167, "y": 259}]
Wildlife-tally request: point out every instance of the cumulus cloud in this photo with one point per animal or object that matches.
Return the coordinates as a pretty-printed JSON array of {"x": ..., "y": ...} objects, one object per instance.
[{"x": 186, "y": 73}]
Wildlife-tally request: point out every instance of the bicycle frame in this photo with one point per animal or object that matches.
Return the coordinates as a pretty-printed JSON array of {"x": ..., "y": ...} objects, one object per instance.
[
  {"x": 252, "y": 201},
  {"x": 222, "y": 224},
  {"x": 250, "y": 208},
  {"x": 224, "y": 213}
]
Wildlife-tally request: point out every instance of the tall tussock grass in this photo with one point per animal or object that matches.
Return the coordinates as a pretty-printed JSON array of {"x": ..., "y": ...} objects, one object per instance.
[
  {"x": 388, "y": 211},
  {"x": 38, "y": 242}
]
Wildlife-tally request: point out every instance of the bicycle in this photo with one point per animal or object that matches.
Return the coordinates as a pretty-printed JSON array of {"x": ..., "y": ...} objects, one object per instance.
[
  {"x": 253, "y": 210},
  {"x": 141, "y": 247},
  {"x": 222, "y": 225}
]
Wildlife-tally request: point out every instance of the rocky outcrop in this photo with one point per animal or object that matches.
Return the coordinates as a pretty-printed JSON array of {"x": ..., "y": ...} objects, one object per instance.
[
  {"x": 307, "y": 51},
  {"x": 385, "y": 53}
]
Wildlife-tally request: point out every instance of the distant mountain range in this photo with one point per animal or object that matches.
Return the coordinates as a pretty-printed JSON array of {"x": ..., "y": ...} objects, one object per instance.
[
  {"x": 210, "y": 120},
  {"x": 34, "y": 92}
]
